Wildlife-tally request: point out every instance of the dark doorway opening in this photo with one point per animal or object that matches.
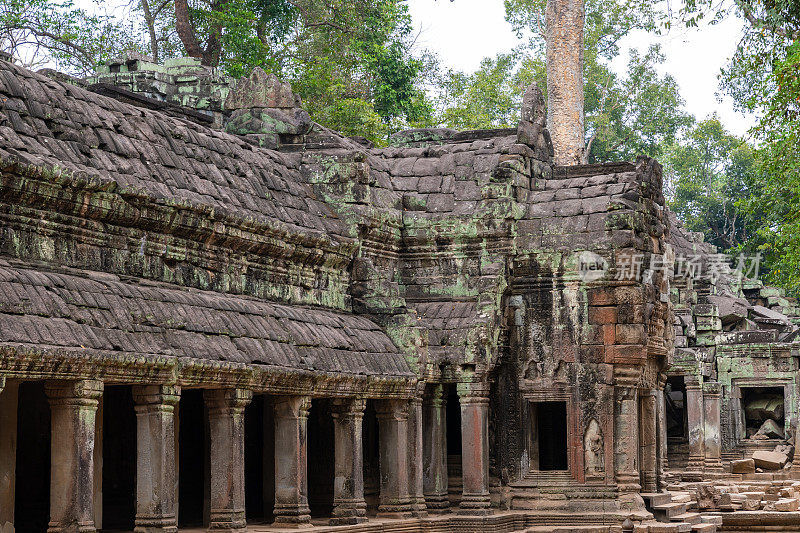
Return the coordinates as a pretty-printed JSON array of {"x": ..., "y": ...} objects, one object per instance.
[
  {"x": 551, "y": 434},
  {"x": 119, "y": 459},
  {"x": 32, "y": 488},
  {"x": 453, "y": 429},
  {"x": 321, "y": 442},
  {"x": 675, "y": 396},
  {"x": 194, "y": 460},
  {"x": 259, "y": 460},
  {"x": 764, "y": 412},
  {"x": 371, "y": 451}
]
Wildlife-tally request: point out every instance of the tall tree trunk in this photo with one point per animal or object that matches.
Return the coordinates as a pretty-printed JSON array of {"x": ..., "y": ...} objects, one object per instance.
[
  {"x": 564, "y": 20},
  {"x": 185, "y": 29},
  {"x": 150, "y": 20}
]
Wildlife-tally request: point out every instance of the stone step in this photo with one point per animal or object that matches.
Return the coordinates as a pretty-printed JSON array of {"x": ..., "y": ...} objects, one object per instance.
[
  {"x": 704, "y": 528},
  {"x": 669, "y": 527},
  {"x": 711, "y": 519},
  {"x": 656, "y": 498},
  {"x": 668, "y": 510},
  {"x": 689, "y": 518}
]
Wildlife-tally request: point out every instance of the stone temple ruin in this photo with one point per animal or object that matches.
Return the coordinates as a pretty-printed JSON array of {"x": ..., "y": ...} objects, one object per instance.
[{"x": 219, "y": 314}]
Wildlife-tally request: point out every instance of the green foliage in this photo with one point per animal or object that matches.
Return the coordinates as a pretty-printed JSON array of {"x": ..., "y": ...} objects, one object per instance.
[
  {"x": 58, "y": 34},
  {"x": 712, "y": 176}
]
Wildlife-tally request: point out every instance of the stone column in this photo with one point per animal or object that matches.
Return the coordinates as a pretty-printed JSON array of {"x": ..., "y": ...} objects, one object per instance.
[
  {"x": 475, "y": 499},
  {"x": 626, "y": 438},
  {"x": 73, "y": 407},
  {"x": 349, "y": 506},
  {"x": 291, "y": 449},
  {"x": 395, "y": 501},
  {"x": 226, "y": 428},
  {"x": 434, "y": 451},
  {"x": 415, "y": 481},
  {"x": 156, "y": 465},
  {"x": 712, "y": 439},
  {"x": 661, "y": 417},
  {"x": 8, "y": 452},
  {"x": 694, "y": 413},
  {"x": 648, "y": 439},
  {"x": 795, "y": 471}
]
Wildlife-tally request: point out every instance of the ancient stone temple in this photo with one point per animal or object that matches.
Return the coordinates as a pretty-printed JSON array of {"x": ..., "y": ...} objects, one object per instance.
[{"x": 219, "y": 314}]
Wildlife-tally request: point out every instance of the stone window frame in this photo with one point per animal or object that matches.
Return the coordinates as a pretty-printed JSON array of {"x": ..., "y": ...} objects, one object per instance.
[
  {"x": 554, "y": 394},
  {"x": 737, "y": 384}
]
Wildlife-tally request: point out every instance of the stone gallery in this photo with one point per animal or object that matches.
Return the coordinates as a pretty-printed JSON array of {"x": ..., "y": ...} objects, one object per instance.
[{"x": 219, "y": 314}]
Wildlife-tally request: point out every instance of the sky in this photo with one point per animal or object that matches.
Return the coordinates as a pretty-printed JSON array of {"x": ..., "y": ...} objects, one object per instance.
[{"x": 465, "y": 31}]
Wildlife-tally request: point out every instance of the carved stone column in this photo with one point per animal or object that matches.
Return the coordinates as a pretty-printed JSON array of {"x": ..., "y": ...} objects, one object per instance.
[
  {"x": 349, "y": 506},
  {"x": 434, "y": 451},
  {"x": 291, "y": 449},
  {"x": 661, "y": 411},
  {"x": 694, "y": 413},
  {"x": 712, "y": 439},
  {"x": 648, "y": 441},
  {"x": 226, "y": 428},
  {"x": 475, "y": 499},
  {"x": 395, "y": 501},
  {"x": 73, "y": 408},
  {"x": 156, "y": 468},
  {"x": 626, "y": 438},
  {"x": 415, "y": 481}
]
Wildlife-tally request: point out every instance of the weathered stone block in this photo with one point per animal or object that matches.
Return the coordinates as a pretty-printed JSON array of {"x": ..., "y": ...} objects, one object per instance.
[
  {"x": 743, "y": 466},
  {"x": 769, "y": 460},
  {"x": 602, "y": 315}
]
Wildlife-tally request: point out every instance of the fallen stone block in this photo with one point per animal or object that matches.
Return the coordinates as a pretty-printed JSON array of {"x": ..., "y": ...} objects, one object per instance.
[
  {"x": 743, "y": 466},
  {"x": 769, "y": 460},
  {"x": 769, "y": 430},
  {"x": 787, "y": 504}
]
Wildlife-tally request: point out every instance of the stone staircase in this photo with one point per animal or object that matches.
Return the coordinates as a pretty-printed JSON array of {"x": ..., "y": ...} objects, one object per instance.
[{"x": 673, "y": 514}]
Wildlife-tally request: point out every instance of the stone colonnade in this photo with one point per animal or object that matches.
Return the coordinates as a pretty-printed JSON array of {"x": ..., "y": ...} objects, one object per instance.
[
  {"x": 413, "y": 456},
  {"x": 703, "y": 408}
]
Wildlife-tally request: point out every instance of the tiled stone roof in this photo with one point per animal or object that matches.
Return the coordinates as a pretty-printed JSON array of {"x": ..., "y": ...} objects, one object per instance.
[
  {"x": 50, "y": 125},
  {"x": 98, "y": 312}
]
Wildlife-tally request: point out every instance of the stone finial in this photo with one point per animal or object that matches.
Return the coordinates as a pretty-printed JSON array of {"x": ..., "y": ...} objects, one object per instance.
[
  {"x": 261, "y": 90},
  {"x": 534, "y": 108},
  {"x": 532, "y": 130}
]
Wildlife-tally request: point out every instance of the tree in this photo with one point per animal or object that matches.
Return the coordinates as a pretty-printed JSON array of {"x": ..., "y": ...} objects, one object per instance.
[
  {"x": 576, "y": 38},
  {"x": 59, "y": 34},
  {"x": 564, "y": 21},
  {"x": 712, "y": 176}
]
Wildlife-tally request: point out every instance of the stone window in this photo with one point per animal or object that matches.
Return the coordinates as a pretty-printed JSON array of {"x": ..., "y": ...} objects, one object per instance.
[
  {"x": 763, "y": 412},
  {"x": 549, "y": 436}
]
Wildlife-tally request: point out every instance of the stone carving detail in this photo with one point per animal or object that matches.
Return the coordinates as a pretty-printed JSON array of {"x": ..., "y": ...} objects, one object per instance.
[{"x": 594, "y": 463}]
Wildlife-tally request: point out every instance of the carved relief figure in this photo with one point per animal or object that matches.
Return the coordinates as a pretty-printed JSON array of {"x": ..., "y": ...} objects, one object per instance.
[{"x": 594, "y": 464}]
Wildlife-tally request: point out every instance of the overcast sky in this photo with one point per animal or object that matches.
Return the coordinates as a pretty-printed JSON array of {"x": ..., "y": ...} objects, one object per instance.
[{"x": 465, "y": 31}]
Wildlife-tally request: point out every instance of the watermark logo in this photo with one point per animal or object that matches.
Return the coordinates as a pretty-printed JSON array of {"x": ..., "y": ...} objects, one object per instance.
[{"x": 591, "y": 266}]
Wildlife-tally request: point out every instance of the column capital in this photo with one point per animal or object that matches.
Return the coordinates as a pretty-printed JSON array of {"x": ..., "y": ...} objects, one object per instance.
[
  {"x": 693, "y": 382},
  {"x": 712, "y": 388},
  {"x": 626, "y": 376},
  {"x": 292, "y": 406},
  {"x": 435, "y": 395},
  {"x": 392, "y": 409},
  {"x": 348, "y": 407},
  {"x": 156, "y": 395},
  {"x": 472, "y": 390},
  {"x": 227, "y": 399},
  {"x": 84, "y": 391}
]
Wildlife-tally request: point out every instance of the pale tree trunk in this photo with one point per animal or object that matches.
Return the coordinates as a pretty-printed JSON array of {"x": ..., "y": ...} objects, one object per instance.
[{"x": 564, "y": 21}]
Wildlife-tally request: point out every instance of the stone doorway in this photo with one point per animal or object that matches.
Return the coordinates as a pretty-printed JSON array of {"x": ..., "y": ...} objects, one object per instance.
[
  {"x": 677, "y": 422},
  {"x": 119, "y": 459},
  {"x": 32, "y": 488},
  {"x": 193, "y": 460},
  {"x": 763, "y": 413},
  {"x": 259, "y": 460},
  {"x": 321, "y": 459},
  {"x": 453, "y": 428},
  {"x": 550, "y": 434}
]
